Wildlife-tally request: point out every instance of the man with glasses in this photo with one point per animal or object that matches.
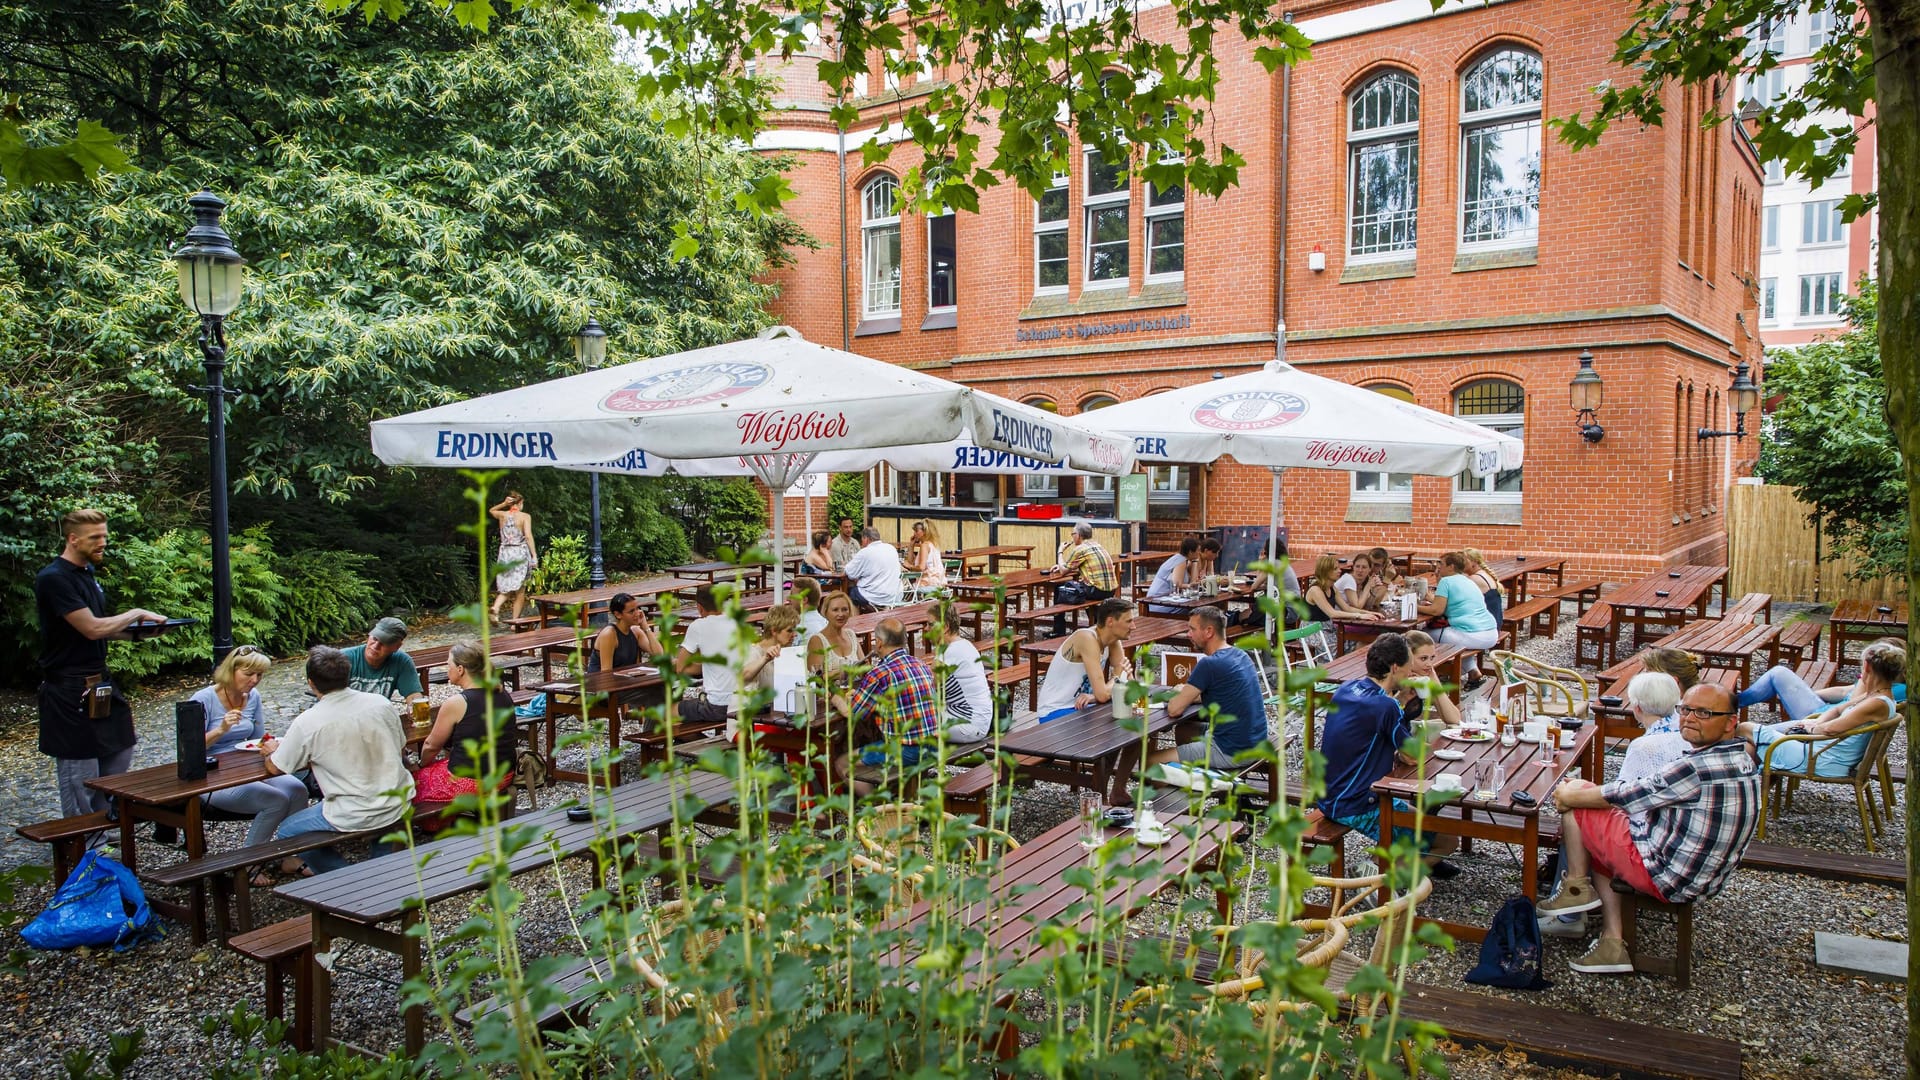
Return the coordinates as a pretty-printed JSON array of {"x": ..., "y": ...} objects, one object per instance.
[{"x": 1675, "y": 834}]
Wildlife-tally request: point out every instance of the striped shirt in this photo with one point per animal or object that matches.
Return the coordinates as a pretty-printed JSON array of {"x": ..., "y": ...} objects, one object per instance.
[
  {"x": 1691, "y": 819},
  {"x": 1089, "y": 562},
  {"x": 897, "y": 694}
]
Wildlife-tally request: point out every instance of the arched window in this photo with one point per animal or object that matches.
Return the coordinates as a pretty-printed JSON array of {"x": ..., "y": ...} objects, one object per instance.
[
  {"x": 1502, "y": 406},
  {"x": 1383, "y": 166},
  {"x": 880, "y": 248},
  {"x": 1050, "y": 225},
  {"x": 1099, "y": 489},
  {"x": 1379, "y": 486},
  {"x": 1500, "y": 100},
  {"x": 1044, "y": 485}
]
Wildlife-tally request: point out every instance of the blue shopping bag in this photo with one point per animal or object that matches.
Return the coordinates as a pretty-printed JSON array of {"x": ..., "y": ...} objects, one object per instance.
[{"x": 100, "y": 903}]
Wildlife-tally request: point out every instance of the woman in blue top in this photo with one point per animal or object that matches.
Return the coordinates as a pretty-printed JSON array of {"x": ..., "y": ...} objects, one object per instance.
[
  {"x": 235, "y": 715},
  {"x": 1870, "y": 701},
  {"x": 1172, "y": 574},
  {"x": 1469, "y": 624}
]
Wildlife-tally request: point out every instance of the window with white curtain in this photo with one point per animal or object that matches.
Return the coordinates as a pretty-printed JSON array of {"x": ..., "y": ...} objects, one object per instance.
[
  {"x": 1500, "y": 100},
  {"x": 1383, "y": 167},
  {"x": 880, "y": 248}
]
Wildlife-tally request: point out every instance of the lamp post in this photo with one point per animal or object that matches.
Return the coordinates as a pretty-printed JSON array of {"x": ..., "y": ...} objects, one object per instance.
[
  {"x": 211, "y": 274},
  {"x": 1585, "y": 393},
  {"x": 590, "y": 348},
  {"x": 1743, "y": 395}
]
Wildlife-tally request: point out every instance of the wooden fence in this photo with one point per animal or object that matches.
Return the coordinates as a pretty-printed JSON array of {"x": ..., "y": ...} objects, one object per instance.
[{"x": 1772, "y": 548}]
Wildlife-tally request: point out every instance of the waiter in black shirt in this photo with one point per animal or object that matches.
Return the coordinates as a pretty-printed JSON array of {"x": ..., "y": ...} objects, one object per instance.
[{"x": 85, "y": 725}]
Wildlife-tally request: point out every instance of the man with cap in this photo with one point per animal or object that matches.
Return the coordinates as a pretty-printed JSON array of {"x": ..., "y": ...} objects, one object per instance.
[{"x": 379, "y": 667}]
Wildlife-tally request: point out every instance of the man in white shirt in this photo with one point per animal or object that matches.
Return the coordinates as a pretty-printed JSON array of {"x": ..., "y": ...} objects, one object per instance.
[
  {"x": 712, "y": 644},
  {"x": 873, "y": 576},
  {"x": 353, "y": 743}
]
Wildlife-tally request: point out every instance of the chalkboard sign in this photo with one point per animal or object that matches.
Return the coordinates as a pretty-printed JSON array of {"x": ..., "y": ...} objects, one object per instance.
[
  {"x": 1243, "y": 545},
  {"x": 1132, "y": 499}
]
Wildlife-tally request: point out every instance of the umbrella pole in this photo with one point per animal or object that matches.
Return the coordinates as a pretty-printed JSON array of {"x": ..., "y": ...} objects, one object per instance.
[
  {"x": 779, "y": 541},
  {"x": 1273, "y": 546}
]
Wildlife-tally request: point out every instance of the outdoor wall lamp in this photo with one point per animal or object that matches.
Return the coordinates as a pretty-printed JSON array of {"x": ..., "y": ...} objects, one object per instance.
[
  {"x": 1584, "y": 395},
  {"x": 211, "y": 276},
  {"x": 590, "y": 348},
  {"x": 1743, "y": 395}
]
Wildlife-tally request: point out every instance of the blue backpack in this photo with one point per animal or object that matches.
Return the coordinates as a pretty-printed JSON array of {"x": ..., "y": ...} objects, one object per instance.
[
  {"x": 1510, "y": 956},
  {"x": 91, "y": 908}
]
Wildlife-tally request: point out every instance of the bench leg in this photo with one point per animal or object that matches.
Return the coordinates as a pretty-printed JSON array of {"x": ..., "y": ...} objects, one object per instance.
[
  {"x": 1683, "y": 954},
  {"x": 303, "y": 1001},
  {"x": 275, "y": 998}
]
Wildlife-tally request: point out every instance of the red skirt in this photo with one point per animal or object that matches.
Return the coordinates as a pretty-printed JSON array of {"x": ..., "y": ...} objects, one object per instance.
[{"x": 436, "y": 783}]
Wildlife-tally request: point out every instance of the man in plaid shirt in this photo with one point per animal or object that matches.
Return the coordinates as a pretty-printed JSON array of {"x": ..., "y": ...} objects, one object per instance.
[
  {"x": 1699, "y": 813},
  {"x": 1093, "y": 580},
  {"x": 893, "y": 702}
]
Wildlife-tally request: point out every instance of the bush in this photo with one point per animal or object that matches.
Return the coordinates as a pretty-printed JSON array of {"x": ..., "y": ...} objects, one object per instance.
[
  {"x": 846, "y": 498},
  {"x": 717, "y": 514},
  {"x": 173, "y": 574},
  {"x": 328, "y": 599},
  {"x": 564, "y": 565}
]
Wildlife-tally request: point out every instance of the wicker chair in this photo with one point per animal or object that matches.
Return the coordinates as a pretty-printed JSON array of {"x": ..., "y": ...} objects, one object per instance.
[
  {"x": 1551, "y": 691},
  {"x": 1873, "y": 763},
  {"x": 888, "y": 831}
]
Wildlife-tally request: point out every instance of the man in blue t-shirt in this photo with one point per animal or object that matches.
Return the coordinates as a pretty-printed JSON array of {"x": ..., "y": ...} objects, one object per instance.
[
  {"x": 1362, "y": 741},
  {"x": 1224, "y": 683}
]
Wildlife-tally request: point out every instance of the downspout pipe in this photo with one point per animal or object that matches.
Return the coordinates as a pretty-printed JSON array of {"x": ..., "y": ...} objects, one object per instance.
[
  {"x": 1280, "y": 198},
  {"x": 840, "y": 152}
]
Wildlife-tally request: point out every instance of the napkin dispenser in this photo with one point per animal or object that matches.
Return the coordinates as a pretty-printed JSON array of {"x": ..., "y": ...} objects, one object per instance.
[{"x": 190, "y": 739}]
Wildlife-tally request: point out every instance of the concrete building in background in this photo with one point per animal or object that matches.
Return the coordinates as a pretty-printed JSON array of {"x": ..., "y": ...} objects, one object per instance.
[
  {"x": 1406, "y": 221},
  {"x": 1809, "y": 258}
]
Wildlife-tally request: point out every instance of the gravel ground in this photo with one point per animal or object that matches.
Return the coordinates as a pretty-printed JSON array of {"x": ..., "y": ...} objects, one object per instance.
[{"x": 1754, "y": 979}]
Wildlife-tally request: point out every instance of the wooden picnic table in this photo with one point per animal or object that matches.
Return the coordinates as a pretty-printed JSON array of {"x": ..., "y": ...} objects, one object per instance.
[
  {"x": 1368, "y": 629},
  {"x": 1662, "y": 600},
  {"x": 990, "y": 557},
  {"x": 543, "y": 643},
  {"x": 1724, "y": 643},
  {"x": 915, "y": 618},
  {"x": 157, "y": 794},
  {"x": 1498, "y": 820},
  {"x": 711, "y": 572},
  {"x": 1096, "y": 750},
  {"x": 1515, "y": 574},
  {"x": 609, "y": 695},
  {"x": 352, "y": 903},
  {"x": 1146, "y": 631},
  {"x": 552, "y": 606},
  {"x": 1131, "y": 562},
  {"x": 1030, "y": 890},
  {"x": 1863, "y": 621},
  {"x": 1350, "y": 666}
]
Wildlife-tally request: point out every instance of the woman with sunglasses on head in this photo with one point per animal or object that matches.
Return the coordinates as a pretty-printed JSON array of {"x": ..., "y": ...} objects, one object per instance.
[
  {"x": 1869, "y": 701},
  {"x": 235, "y": 715},
  {"x": 447, "y": 768}
]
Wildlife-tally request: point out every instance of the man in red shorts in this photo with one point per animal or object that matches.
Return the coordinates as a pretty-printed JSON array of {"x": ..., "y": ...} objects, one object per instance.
[{"x": 1676, "y": 834}]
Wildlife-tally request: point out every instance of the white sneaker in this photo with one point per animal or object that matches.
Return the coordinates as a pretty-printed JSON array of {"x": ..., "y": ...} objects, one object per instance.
[{"x": 1563, "y": 926}]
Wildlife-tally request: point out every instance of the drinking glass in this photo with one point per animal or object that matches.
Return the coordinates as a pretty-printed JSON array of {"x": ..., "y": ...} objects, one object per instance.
[
  {"x": 1499, "y": 770},
  {"x": 1484, "y": 787},
  {"x": 1090, "y": 835},
  {"x": 1547, "y": 743}
]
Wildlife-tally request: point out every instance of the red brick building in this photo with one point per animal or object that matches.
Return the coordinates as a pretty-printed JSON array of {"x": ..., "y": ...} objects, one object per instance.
[{"x": 1406, "y": 220}]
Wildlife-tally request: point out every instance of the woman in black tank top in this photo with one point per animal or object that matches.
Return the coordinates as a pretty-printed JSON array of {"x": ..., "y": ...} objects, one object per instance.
[{"x": 626, "y": 640}]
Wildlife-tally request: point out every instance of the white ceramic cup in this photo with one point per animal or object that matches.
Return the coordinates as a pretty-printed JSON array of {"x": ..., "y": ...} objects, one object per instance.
[
  {"x": 1534, "y": 730},
  {"x": 1122, "y": 709},
  {"x": 1448, "y": 781}
]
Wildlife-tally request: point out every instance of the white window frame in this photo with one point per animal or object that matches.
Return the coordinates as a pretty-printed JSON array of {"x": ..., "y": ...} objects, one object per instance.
[
  {"x": 1169, "y": 484},
  {"x": 1160, "y": 214},
  {"x": 1389, "y": 487},
  {"x": 1057, "y": 227},
  {"x": 1040, "y": 485},
  {"x": 1820, "y": 26},
  {"x": 1520, "y": 116},
  {"x": 1769, "y": 300},
  {"x": 1826, "y": 290},
  {"x": 1845, "y": 170},
  {"x": 1770, "y": 228},
  {"x": 1094, "y": 205},
  {"x": 874, "y": 228},
  {"x": 955, "y": 284},
  {"x": 1819, "y": 216},
  {"x": 1773, "y": 171},
  {"x": 1514, "y": 424},
  {"x": 1364, "y": 140},
  {"x": 1766, "y": 89}
]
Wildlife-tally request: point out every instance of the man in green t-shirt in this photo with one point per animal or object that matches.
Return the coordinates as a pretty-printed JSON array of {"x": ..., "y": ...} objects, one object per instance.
[{"x": 379, "y": 667}]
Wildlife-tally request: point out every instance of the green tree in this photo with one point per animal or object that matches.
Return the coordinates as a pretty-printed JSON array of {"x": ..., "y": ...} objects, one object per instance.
[{"x": 1829, "y": 438}]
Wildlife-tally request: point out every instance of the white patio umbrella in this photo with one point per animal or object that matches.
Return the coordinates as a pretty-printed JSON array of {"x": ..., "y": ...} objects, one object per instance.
[
  {"x": 773, "y": 407},
  {"x": 1283, "y": 418}
]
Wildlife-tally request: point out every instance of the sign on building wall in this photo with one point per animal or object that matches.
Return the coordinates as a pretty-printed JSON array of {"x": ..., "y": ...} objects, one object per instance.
[{"x": 1131, "y": 503}]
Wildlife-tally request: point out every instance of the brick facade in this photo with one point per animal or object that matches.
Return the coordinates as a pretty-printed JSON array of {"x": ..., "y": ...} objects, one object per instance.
[{"x": 1646, "y": 249}]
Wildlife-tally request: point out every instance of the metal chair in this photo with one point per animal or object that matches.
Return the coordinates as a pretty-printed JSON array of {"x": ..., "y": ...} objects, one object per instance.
[{"x": 1873, "y": 762}]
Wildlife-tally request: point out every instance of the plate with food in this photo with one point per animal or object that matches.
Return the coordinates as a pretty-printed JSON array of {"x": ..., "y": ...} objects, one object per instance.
[
  {"x": 248, "y": 744},
  {"x": 1464, "y": 734}
]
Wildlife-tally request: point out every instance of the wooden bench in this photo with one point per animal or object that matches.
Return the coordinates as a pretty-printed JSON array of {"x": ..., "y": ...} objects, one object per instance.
[
  {"x": 1558, "y": 1037},
  {"x": 68, "y": 837},
  {"x": 1799, "y": 640},
  {"x": 285, "y": 948},
  {"x": 1755, "y": 606},
  {"x": 1818, "y": 674},
  {"x": 1830, "y": 865},
  {"x": 1680, "y": 964},
  {"x": 1595, "y": 630},
  {"x": 1033, "y": 616},
  {"x": 229, "y": 873},
  {"x": 653, "y": 743},
  {"x": 1584, "y": 594},
  {"x": 523, "y": 623},
  {"x": 1537, "y": 616},
  {"x": 1007, "y": 676}
]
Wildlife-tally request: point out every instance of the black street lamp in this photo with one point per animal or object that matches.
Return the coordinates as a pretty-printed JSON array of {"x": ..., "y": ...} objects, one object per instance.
[
  {"x": 211, "y": 275},
  {"x": 1743, "y": 395},
  {"x": 590, "y": 348}
]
